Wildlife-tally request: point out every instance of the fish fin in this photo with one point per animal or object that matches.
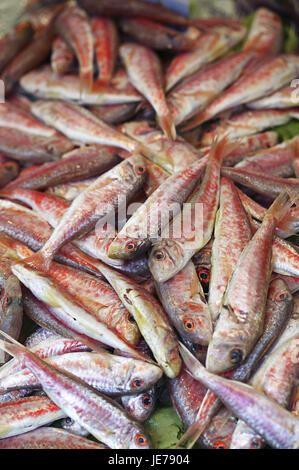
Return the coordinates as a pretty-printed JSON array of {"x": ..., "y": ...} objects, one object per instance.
[
  {"x": 280, "y": 208},
  {"x": 192, "y": 434},
  {"x": 190, "y": 361},
  {"x": 86, "y": 80},
  {"x": 221, "y": 148},
  {"x": 38, "y": 260},
  {"x": 167, "y": 125},
  {"x": 12, "y": 347}
]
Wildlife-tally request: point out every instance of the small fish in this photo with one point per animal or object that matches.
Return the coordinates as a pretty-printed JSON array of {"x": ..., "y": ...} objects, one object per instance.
[
  {"x": 261, "y": 182},
  {"x": 150, "y": 318},
  {"x": 134, "y": 8},
  {"x": 196, "y": 92},
  {"x": 102, "y": 417},
  {"x": 106, "y": 47},
  {"x": 94, "y": 204},
  {"x": 278, "y": 426},
  {"x": 145, "y": 74},
  {"x": 74, "y": 27},
  {"x": 231, "y": 234},
  {"x": 45, "y": 84},
  {"x": 281, "y": 99},
  {"x": 193, "y": 227},
  {"x": 272, "y": 74},
  {"x": 71, "y": 426},
  {"x": 80, "y": 124},
  {"x": 25, "y": 147},
  {"x": 210, "y": 45},
  {"x": 146, "y": 223},
  {"x": 183, "y": 300},
  {"x": 115, "y": 113},
  {"x": 156, "y": 35},
  {"x": 108, "y": 373},
  {"x": 11, "y": 116},
  {"x": 25, "y": 414},
  {"x": 81, "y": 163},
  {"x": 62, "y": 57},
  {"x": 155, "y": 177},
  {"x": 49, "y": 438},
  {"x": 241, "y": 319},
  {"x": 246, "y": 123},
  {"x": 141, "y": 405},
  {"x": 69, "y": 191}
]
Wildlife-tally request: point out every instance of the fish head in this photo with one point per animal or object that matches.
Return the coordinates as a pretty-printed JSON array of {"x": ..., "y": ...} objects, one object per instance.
[
  {"x": 11, "y": 300},
  {"x": 218, "y": 434},
  {"x": 134, "y": 170},
  {"x": 196, "y": 322},
  {"x": 227, "y": 349},
  {"x": 57, "y": 146},
  {"x": 140, "y": 406},
  {"x": 165, "y": 260},
  {"x": 245, "y": 437},
  {"x": 141, "y": 376},
  {"x": 133, "y": 436},
  {"x": 124, "y": 247}
]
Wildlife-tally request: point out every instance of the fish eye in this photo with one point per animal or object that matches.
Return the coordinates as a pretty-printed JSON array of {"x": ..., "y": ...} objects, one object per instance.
[
  {"x": 189, "y": 324},
  {"x": 141, "y": 440},
  {"x": 281, "y": 296},
  {"x": 146, "y": 400},
  {"x": 68, "y": 420},
  {"x": 7, "y": 301},
  {"x": 236, "y": 356},
  {"x": 140, "y": 170},
  {"x": 131, "y": 318},
  {"x": 220, "y": 445},
  {"x": 51, "y": 148},
  {"x": 256, "y": 444},
  {"x": 200, "y": 348},
  {"x": 204, "y": 275},
  {"x": 20, "y": 302},
  {"x": 137, "y": 383},
  {"x": 130, "y": 246},
  {"x": 159, "y": 255}
]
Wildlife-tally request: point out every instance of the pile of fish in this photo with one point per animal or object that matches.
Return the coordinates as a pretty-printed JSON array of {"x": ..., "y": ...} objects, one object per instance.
[{"x": 128, "y": 112}]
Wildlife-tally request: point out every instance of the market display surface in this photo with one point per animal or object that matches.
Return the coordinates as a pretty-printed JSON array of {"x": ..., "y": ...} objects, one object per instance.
[{"x": 149, "y": 206}]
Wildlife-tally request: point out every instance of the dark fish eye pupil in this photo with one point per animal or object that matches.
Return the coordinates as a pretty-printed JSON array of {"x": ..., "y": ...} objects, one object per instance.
[
  {"x": 146, "y": 400},
  {"x": 8, "y": 301},
  {"x": 255, "y": 444},
  {"x": 141, "y": 440},
  {"x": 159, "y": 255},
  {"x": 203, "y": 275},
  {"x": 131, "y": 318},
  {"x": 236, "y": 356},
  {"x": 137, "y": 383},
  {"x": 282, "y": 296}
]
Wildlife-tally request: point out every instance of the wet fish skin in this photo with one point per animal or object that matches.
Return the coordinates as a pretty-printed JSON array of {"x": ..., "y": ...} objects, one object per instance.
[
  {"x": 144, "y": 70},
  {"x": 155, "y": 35},
  {"x": 106, "y": 44},
  {"x": 241, "y": 320},
  {"x": 14, "y": 117},
  {"x": 11, "y": 307},
  {"x": 25, "y": 414},
  {"x": 12, "y": 42},
  {"x": 80, "y": 124},
  {"x": 115, "y": 113},
  {"x": 25, "y": 147},
  {"x": 141, "y": 405},
  {"x": 183, "y": 300},
  {"x": 49, "y": 438},
  {"x": 8, "y": 171},
  {"x": 210, "y": 45},
  {"x": 277, "y": 425},
  {"x": 133, "y": 8},
  {"x": 271, "y": 75},
  {"x": 196, "y": 92},
  {"x": 74, "y": 27},
  {"x": 80, "y": 163},
  {"x": 145, "y": 225},
  {"x": 102, "y": 417},
  {"x": 281, "y": 99},
  {"x": 68, "y": 424},
  {"x": 62, "y": 57}
]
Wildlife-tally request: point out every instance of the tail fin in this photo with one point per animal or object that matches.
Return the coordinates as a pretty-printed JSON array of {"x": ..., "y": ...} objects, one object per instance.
[
  {"x": 281, "y": 206},
  {"x": 38, "y": 260},
  {"x": 221, "y": 148},
  {"x": 167, "y": 124},
  {"x": 86, "y": 80}
]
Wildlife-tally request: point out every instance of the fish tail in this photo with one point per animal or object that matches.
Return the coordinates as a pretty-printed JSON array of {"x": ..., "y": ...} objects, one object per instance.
[
  {"x": 12, "y": 347},
  {"x": 221, "y": 148},
  {"x": 196, "y": 121},
  {"x": 86, "y": 80},
  {"x": 280, "y": 208},
  {"x": 38, "y": 260},
  {"x": 192, "y": 434},
  {"x": 167, "y": 124}
]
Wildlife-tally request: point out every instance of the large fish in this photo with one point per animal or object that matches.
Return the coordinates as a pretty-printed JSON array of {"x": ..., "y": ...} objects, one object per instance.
[
  {"x": 74, "y": 27},
  {"x": 271, "y": 75},
  {"x": 80, "y": 124},
  {"x": 232, "y": 232},
  {"x": 45, "y": 84},
  {"x": 196, "y": 92},
  {"x": 209, "y": 46},
  {"x": 145, "y": 73},
  {"x": 241, "y": 319},
  {"x": 101, "y": 416}
]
